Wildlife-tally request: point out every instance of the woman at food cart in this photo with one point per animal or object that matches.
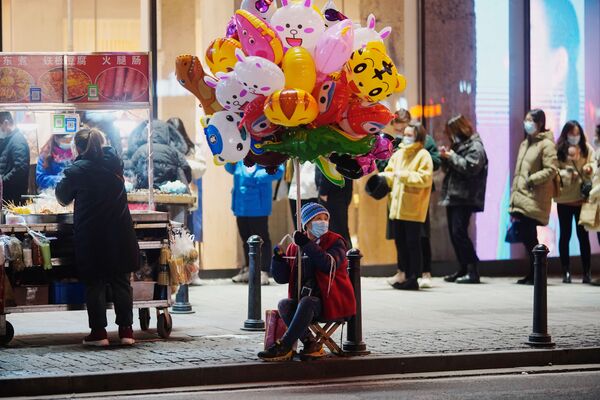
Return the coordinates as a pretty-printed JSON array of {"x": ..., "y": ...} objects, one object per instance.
[
  {"x": 106, "y": 248},
  {"x": 55, "y": 156}
]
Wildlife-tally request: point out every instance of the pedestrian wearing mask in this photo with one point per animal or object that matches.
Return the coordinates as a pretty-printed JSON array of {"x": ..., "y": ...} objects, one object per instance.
[
  {"x": 55, "y": 156},
  {"x": 401, "y": 120},
  {"x": 575, "y": 157},
  {"x": 533, "y": 186},
  {"x": 409, "y": 174},
  {"x": 14, "y": 160},
  {"x": 463, "y": 192}
]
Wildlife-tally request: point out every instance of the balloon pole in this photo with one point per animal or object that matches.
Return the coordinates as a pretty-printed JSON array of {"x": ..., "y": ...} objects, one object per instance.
[{"x": 298, "y": 223}]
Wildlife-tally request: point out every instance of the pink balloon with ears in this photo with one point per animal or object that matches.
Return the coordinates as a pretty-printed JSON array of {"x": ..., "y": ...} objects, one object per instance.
[
  {"x": 382, "y": 150},
  {"x": 334, "y": 47}
]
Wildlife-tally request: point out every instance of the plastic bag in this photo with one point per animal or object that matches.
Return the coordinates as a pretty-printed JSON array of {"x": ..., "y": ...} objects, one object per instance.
[{"x": 184, "y": 256}]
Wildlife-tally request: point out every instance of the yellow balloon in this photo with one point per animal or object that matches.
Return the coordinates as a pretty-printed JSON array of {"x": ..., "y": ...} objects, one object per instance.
[
  {"x": 291, "y": 107},
  {"x": 299, "y": 69}
]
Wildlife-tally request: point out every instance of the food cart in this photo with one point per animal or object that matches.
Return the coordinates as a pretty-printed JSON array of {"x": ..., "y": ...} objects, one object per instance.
[{"x": 50, "y": 91}]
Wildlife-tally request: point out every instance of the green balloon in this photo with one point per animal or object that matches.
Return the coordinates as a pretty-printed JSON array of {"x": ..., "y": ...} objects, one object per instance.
[{"x": 309, "y": 144}]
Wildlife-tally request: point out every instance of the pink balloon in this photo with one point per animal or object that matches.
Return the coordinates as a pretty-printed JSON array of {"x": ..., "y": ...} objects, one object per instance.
[{"x": 334, "y": 47}]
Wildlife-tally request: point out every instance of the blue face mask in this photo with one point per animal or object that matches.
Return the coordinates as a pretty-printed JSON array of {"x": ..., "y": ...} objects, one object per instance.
[
  {"x": 529, "y": 127},
  {"x": 319, "y": 228}
]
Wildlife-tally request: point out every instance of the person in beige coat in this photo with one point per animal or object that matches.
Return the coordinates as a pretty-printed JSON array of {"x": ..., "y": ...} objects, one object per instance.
[
  {"x": 409, "y": 174},
  {"x": 575, "y": 157},
  {"x": 533, "y": 183}
]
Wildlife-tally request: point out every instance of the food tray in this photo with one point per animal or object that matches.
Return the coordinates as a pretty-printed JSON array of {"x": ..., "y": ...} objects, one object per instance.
[{"x": 66, "y": 218}]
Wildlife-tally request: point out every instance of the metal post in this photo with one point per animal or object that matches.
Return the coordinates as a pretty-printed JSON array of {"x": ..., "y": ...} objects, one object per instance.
[
  {"x": 182, "y": 301},
  {"x": 254, "y": 321},
  {"x": 354, "y": 344},
  {"x": 299, "y": 225},
  {"x": 540, "y": 337}
]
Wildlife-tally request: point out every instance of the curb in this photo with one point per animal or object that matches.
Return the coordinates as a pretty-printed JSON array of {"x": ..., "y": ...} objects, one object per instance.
[{"x": 292, "y": 371}]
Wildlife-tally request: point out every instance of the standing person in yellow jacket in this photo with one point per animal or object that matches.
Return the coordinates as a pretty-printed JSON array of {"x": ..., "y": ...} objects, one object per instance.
[
  {"x": 409, "y": 174},
  {"x": 575, "y": 157},
  {"x": 533, "y": 186}
]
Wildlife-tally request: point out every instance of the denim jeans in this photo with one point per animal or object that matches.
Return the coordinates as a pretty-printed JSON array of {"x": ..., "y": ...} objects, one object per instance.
[{"x": 298, "y": 317}]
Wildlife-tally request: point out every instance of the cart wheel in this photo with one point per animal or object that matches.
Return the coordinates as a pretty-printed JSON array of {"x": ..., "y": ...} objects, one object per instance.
[
  {"x": 144, "y": 318},
  {"x": 164, "y": 325},
  {"x": 10, "y": 333}
]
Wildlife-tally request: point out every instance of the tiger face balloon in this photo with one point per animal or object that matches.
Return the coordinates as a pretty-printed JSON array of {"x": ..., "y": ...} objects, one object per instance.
[
  {"x": 371, "y": 73},
  {"x": 291, "y": 107}
]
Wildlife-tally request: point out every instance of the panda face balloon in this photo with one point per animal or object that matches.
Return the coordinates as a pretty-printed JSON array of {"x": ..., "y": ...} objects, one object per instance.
[
  {"x": 226, "y": 141},
  {"x": 231, "y": 94},
  {"x": 298, "y": 24}
]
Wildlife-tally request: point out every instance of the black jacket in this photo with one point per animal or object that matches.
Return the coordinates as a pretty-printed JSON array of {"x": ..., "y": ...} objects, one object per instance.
[
  {"x": 466, "y": 175},
  {"x": 334, "y": 193},
  {"x": 169, "y": 165},
  {"x": 105, "y": 241},
  {"x": 14, "y": 166}
]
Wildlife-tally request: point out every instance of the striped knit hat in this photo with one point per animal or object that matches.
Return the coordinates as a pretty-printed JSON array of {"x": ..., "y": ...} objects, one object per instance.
[{"x": 309, "y": 211}]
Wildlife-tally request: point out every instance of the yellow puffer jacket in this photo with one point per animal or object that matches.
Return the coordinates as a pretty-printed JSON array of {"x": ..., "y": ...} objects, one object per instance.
[
  {"x": 570, "y": 176},
  {"x": 533, "y": 186},
  {"x": 410, "y": 175}
]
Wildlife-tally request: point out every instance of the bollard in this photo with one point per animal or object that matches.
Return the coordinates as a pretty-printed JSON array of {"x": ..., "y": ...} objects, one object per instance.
[
  {"x": 182, "y": 301},
  {"x": 354, "y": 344},
  {"x": 254, "y": 321},
  {"x": 540, "y": 337}
]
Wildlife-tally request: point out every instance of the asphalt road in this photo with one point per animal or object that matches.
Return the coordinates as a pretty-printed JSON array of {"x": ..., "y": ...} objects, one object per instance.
[{"x": 566, "y": 385}]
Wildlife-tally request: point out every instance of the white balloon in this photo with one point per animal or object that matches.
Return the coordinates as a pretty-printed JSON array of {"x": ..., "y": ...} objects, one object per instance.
[
  {"x": 364, "y": 35},
  {"x": 258, "y": 75},
  {"x": 231, "y": 93},
  {"x": 298, "y": 24}
]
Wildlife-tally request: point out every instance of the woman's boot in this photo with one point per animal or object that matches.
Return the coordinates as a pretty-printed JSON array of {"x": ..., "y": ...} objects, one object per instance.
[
  {"x": 472, "y": 276},
  {"x": 566, "y": 270},
  {"x": 587, "y": 274}
]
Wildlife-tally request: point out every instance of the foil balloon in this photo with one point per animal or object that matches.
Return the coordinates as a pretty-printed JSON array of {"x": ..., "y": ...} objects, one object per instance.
[
  {"x": 309, "y": 144},
  {"x": 363, "y": 119},
  {"x": 367, "y": 34},
  {"x": 257, "y": 37},
  {"x": 298, "y": 24},
  {"x": 268, "y": 159},
  {"x": 291, "y": 107},
  {"x": 371, "y": 73},
  {"x": 332, "y": 97},
  {"x": 347, "y": 166},
  {"x": 382, "y": 150},
  {"x": 263, "y": 9},
  {"x": 332, "y": 14},
  {"x": 190, "y": 75},
  {"x": 299, "y": 69},
  {"x": 254, "y": 120},
  {"x": 231, "y": 30},
  {"x": 258, "y": 75},
  {"x": 231, "y": 94},
  {"x": 220, "y": 55},
  {"x": 334, "y": 47},
  {"x": 227, "y": 143}
]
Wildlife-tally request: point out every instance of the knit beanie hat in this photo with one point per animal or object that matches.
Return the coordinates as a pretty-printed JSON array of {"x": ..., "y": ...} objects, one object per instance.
[{"x": 309, "y": 211}]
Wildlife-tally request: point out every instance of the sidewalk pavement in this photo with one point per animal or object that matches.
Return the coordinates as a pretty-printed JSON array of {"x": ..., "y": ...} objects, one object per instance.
[{"x": 449, "y": 318}]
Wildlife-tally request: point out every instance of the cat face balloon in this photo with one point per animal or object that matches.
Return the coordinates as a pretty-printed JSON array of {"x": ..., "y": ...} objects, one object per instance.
[
  {"x": 231, "y": 94},
  {"x": 258, "y": 75},
  {"x": 364, "y": 35},
  {"x": 220, "y": 55},
  {"x": 298, "y": 24},
  {"x": 226, "y": 141}
]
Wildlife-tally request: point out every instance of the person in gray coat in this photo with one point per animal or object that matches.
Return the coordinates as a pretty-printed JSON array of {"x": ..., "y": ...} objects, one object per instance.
[{"x": 463, "y": 192}]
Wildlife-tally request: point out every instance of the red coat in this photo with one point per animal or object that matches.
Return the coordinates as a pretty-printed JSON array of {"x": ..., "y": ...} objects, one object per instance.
[{"x": 337, "y": 296}]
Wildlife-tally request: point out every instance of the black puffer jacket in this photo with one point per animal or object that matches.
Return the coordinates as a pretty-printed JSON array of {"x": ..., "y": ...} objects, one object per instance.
[
  {"x": 14, "y": 166},
  {"x": 105, "y": 243},
  {"x": 466, "y": 175},
  {"x": 162, "y": 132}
]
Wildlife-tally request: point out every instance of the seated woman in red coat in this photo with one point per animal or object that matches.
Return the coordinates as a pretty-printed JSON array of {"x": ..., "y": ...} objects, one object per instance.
[{"x": 326, "y": 290}]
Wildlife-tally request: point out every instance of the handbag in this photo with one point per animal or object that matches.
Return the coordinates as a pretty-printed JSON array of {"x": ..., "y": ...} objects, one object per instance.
[
  {"x": 274, "y": 327},
  {"x": 514, "y": 234},
  {"x": 589, "y": 217},
  {"x": 586, "y": 186}
]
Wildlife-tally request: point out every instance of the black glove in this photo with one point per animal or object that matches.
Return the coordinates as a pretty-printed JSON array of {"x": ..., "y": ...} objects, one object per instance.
[{"x": 300, "y": 238}]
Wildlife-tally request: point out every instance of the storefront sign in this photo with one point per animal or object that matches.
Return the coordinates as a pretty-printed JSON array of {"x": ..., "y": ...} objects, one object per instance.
[
  {"x": 26, "y": 78},
  {"x": 107, "y": 78}
]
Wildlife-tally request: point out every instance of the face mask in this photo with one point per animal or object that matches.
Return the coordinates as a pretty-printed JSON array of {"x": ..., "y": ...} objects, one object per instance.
[
  {"x": 408, "y": 140},
  {"x": 530, "y": 127},
  {"x": 64, "y": 146},
  {"x": 573, "y": 140},
  {"x": 319, "y": 228}
]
